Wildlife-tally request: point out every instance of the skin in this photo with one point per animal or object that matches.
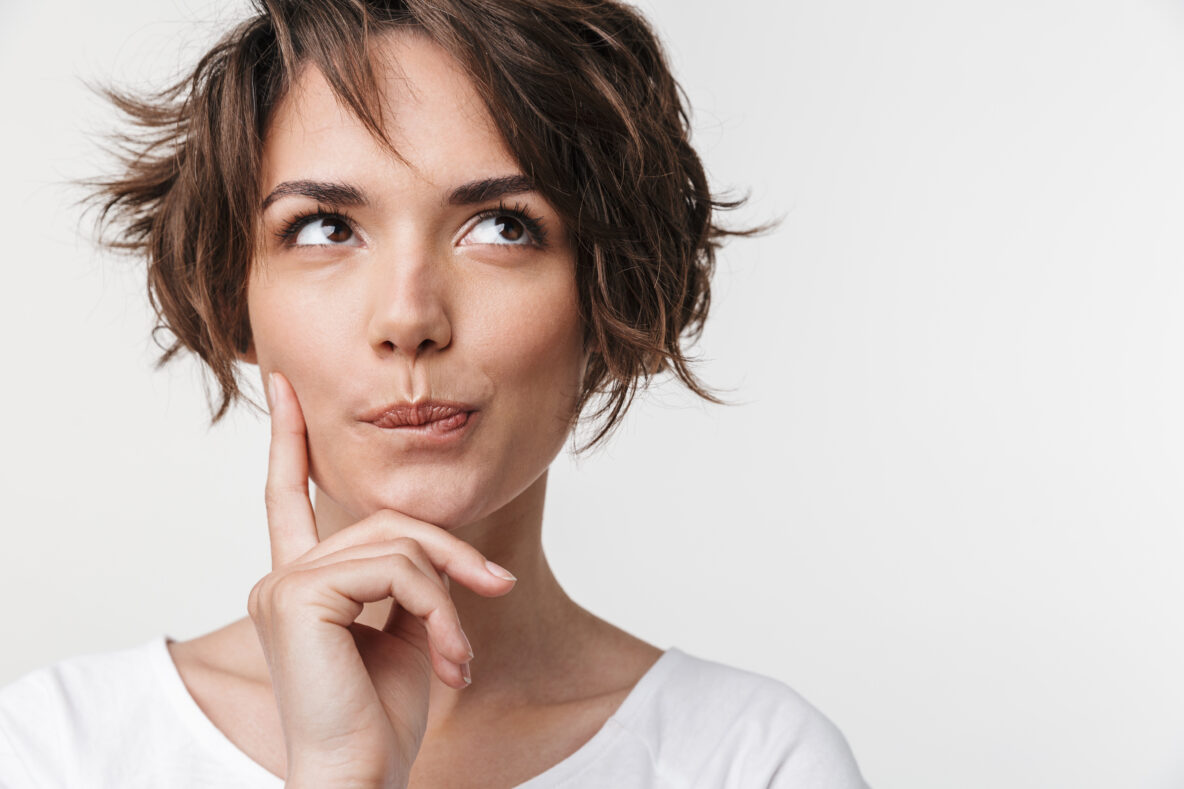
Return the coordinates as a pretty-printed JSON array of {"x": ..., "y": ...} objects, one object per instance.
[{"x": 413, "y": 298}]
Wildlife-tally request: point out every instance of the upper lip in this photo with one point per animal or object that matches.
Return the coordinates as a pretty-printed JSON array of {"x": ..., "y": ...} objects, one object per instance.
[{"x": 407, "y": 413}]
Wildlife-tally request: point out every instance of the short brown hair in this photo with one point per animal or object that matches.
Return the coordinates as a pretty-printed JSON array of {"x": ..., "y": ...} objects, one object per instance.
[{"x": 581, "y": 92}]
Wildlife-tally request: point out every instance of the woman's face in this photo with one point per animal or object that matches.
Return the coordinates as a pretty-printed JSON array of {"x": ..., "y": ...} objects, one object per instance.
[{"x": 441, "y": 277}]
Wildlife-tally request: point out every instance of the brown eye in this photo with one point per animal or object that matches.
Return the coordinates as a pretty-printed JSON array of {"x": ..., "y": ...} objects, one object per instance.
[
  {"x": 324, "y": 231},
  {"x": 340, "y": 231},
  {"x": 509, "y": 228},
  {"x": 501, "y": 229}
]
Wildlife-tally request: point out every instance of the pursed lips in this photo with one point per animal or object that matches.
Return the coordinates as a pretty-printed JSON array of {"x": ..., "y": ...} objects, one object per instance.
[{"x": 415, "y": 414}]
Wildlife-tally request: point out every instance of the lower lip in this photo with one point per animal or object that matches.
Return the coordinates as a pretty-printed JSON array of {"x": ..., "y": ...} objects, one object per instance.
[{"x": 442, "y": 432}]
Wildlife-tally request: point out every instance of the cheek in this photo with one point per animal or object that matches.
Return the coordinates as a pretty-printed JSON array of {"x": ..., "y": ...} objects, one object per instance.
[
  {"x": 536, "y": 344},
  {"x": 293, "y": 332}
]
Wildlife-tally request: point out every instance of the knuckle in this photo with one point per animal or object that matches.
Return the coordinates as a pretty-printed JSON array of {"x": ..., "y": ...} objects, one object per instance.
[
  {"x": 261, "y": 600},
  {"x": 408, "y": 546},
  {"x": 253, "y": 602},
  {"x": 275, "y": 495},
  {"x": 446, "y": 612},
  {"x": 289, "y": 589},
  {"x": 442, "y": 601},
  {"x": 401, "y": 562}
]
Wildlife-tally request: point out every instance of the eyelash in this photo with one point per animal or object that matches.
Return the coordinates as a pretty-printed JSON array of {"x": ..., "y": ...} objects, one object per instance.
[
  {"x": 534, "y": 225},
  {"x": 294, "y": 225}
]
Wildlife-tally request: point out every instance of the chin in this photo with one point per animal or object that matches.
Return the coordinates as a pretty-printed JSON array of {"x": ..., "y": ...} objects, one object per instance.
[
  {"x": 447, "y": 515},
  {"x": 448, "y": 498},
  {"x": 435, "y": 503}
]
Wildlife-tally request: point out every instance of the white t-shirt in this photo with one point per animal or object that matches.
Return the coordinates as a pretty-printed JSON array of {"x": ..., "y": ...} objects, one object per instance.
[{"x": 125, "y": 719}]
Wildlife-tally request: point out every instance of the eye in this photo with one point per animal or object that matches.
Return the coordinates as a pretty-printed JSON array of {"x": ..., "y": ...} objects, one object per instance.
[
  {"x": 507, "y": 226},
  {"x": 500, "y": 228},
  {"x": 319, "y": 229}
]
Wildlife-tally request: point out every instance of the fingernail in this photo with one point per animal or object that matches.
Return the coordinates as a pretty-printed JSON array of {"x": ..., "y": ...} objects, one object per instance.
[
  {"x": 468, "y": 646},
  {"x": 464, "y": 672},
  {"x": 499, "y": 571}
]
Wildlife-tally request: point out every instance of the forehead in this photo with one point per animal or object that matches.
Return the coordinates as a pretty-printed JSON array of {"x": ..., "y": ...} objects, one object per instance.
[{"x": 434, "y": 117}]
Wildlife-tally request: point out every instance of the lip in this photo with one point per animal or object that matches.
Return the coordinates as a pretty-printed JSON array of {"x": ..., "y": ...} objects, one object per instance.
[
  {"x": 434, "y": 421},
  {"x": 407, "y": 414}
]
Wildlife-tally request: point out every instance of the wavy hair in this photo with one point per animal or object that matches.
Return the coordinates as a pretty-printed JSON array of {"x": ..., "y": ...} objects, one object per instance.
[{"x": 580, "y": 90}]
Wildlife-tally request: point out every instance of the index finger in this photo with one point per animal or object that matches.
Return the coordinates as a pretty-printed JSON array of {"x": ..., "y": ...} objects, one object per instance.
[
  {"x": 449, "y": 554},
  {"x": 290, "y": 521}
]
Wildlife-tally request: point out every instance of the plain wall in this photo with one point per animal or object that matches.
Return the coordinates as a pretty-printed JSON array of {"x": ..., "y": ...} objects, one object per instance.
[{"x": 948, "y": 509}]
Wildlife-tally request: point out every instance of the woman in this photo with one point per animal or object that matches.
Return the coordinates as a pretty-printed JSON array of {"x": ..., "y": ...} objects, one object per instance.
[{"x": 439, "y": 230}]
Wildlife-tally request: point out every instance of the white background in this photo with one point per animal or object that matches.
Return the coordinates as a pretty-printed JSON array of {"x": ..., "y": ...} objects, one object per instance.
[{"x": 949, "y": 509}]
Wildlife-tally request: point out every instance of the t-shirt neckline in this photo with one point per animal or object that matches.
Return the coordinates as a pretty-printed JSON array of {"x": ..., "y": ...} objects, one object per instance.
[{"x": 226, "y": 751}]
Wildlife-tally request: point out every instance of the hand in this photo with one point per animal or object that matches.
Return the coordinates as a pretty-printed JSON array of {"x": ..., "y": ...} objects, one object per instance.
[{"x": 353, "y": 700}]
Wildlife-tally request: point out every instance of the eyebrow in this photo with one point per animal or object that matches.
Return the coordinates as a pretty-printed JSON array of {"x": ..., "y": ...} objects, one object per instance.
[
  {"x": 347, "y": 195},
  {"x": 489, "y": 189}
]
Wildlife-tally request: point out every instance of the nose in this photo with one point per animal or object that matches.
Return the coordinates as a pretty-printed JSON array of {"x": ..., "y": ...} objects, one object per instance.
[{"x": 408, "y": 304}]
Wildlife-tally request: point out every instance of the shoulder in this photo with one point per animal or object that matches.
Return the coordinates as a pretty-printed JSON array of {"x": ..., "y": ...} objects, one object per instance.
[
  {"x": 80, "y": 685},
  {"x": 708, "y": 718},
  {"x": 51, "y": 718}
]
